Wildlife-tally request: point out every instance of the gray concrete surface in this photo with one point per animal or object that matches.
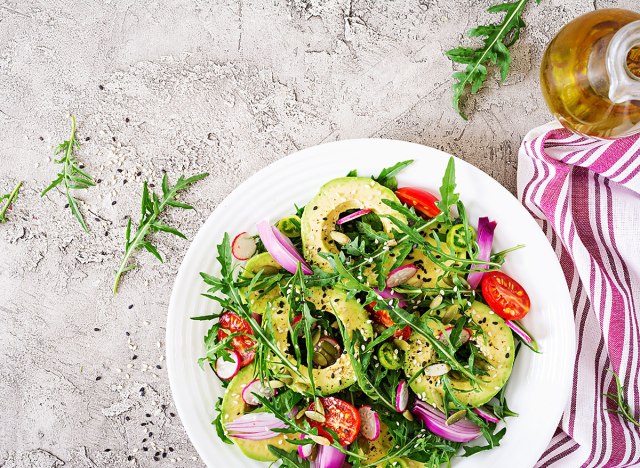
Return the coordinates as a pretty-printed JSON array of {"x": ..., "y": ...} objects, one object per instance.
[{"x": 186, "y": 86}]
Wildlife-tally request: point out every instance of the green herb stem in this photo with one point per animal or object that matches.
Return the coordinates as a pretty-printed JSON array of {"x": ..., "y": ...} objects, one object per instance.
[{"x": 10, "y": 198}]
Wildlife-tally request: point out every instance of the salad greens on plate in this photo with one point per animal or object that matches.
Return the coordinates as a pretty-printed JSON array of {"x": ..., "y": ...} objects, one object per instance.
[{"x": 371, "y": 327}]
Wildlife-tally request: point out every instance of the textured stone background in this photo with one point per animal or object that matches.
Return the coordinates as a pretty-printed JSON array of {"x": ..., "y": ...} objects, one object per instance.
[{"x": 186, "y": 86}]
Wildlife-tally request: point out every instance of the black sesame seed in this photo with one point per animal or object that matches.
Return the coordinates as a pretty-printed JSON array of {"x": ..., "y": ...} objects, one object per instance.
[
  {"x": 41, "y": 138},
  {"x": 156, "y": 459},
  {"x": 107, "y": 450},
  {"x": 506, "y": 355},
  {"x": 101, "y": 87},
  {"x": 158, "y": 366},
  {"x": 66, "y": 205},
  {"x": 126, "y": 119},
  {"x": 134, "y": 357},
  {"x": 98, "y": 378},
  {"x": 130, "y": 457},
  {"x": 87, "y": 139},
  {"x": 98, "y": 181},
  {"x": 113, "y": 202},
  {"x": 130, "y": 306},
  {"x": 96, "y": 329},
  {"x": 157, "y": 453},
  {"x": 145, "y": 449},
  {"x": 170, "y": 449},
  {"x": 150, "y": 434},
  {"x": 164, "y": 454},
  {"x": 113, "y": 138},
  {"x": 127, "y": 333},
  {"x": 124, "y": 181},
  {"x": 127, "y": 418},
  {"x": 173, "y": 415},
  {"x": 147, "y": 415}
]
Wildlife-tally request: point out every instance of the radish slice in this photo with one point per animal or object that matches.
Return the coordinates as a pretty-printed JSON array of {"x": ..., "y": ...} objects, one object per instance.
[
  {"x": 304, "y": 451},
  {"x": 402, "y": 396},
  {"x": 370, "y": 423},
  {"x": 519, "y": 330},
  {"x": 485, "y": 240},
  {"x": 401, "y": 275},
  {"x": 255, "y": 387},
  {"x": 465, "y": 335},
  {"x": 228, "y": 369},
  {"x": 388, "y": 293},
  {"x": 353, "y": 216},
  {"x": 243, "y": 246},
  {"x": 486, "y": 414},
  {"x": 282, "y": 249}
]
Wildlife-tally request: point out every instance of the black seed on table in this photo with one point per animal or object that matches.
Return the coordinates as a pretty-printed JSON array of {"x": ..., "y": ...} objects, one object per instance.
[
  {"x": 119, "y": 171},
  {"x": 173, "y": 415},
  {"x": 152, "y": 185},
  {"x": 81, "y": 166},
  {"x": 139, "y": 173},
  {"x": 164, "y": 454},
  {"x": 106, "y": 233},
  {"x": 98, "y": 181},
  {"x": 158, "y": 366},
  {"x": 41, "y": 138},
  {"x": 145, "y": 449},
  {"x": 130, "y": 457},
  {"x": 124, "y": 181},
  {"x": 127, "y": 418},
  {"x": 147, "y": 415},
  {"x": 156, "y": 459},
  {"x": 157, "y": 453},
  {"x": 144, "y": 440},
  {"x": 107, "y": 450},
  {"x": 127, "y": 333},
  {"x": 98, "y": 378},
  {"x": 150, "y": 434},
  {"x": 134, "y": 357},
  {"x": 130, "y": 306},
  {"x": 143, "y": 424},
  {"x": 126, "y": 119},
  {"x": 113, "y": 138},
  {"x": 170, "y": 449},
  {"x": 66, "y": 205},
  {"x": 101, "y": 87},
  {"x": 96, "y": 329},
  {"x": 113, "y": 202},
  {"x": 87, "y": 139}
]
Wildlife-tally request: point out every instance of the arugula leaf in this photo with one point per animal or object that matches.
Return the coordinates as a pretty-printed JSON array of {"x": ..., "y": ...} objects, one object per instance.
[
  {"x": 152, "y": 206},
  {"x": 494, "y": 442},
  {"x": 219, "y": 425},
  {"x": 289, "y": 459},
  {"x": 387, "y": 176},
  {"x": 10, "y": 197},
  {"x": 72, "y": 177},
  {"x": 448, "y": 196},
  {"x": 621, "y": 407},
  {"x": 352, "y": 173},
  {"x": 497, "y": 39}
]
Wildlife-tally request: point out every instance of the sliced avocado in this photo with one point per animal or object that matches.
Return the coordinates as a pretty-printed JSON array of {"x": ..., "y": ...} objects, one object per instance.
[
  {"x": 233, "y": 406},
  {"x": 374, "y": 450},
  {"x": 497, "y": 350},
  {"x": 429, "y": 274},
  {"x": 262, "y": 262},
  {"x": 340, "y": 374},
  {"x": 336, "y": 197}
]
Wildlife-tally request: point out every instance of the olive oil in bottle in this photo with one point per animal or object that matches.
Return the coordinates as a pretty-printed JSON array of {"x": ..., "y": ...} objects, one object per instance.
[{"x": 590, "y": 74}]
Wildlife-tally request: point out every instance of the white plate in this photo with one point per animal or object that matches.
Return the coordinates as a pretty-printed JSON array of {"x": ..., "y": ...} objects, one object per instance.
[{"x": 540, "y": 384}]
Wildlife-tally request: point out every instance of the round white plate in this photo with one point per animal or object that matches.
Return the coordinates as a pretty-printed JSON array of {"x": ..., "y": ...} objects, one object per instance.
[{"x": 540, "y": 384}]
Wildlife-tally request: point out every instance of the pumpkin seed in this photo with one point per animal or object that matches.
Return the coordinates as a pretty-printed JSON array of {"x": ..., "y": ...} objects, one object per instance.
[
  {"x": 455, "y": 417},
  {"x": 339, "y": 237}
]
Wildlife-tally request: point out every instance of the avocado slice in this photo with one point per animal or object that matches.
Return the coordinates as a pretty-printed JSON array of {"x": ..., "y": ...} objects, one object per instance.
[
  {"x": 498, "y": 351},
  {"x": 336, "y": 197},
  {"x": 340, "y": 374},
  {"x": 374, "y": 450},
  {"x": 429, "y": 275},
  {"x": 233, "y": 406},
  {"x": 262, "y": 262}
]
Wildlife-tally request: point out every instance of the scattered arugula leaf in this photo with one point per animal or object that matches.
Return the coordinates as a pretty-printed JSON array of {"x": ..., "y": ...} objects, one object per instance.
[
  {"x": 448, "y": 196},
  {"x": 494, "y": 442},
  {"x": 621, "y": 406},
  {"x": 497, "y": 38},
  {"x": 10, "y": 198},
  {"x": 152, "y": 206},
  {"x": 387, "y": 176},
  {"x": 72, "y": 177}
]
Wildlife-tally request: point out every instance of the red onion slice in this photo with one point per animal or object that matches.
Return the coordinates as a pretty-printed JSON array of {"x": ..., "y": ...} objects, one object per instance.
[
  {"x": 282, "y": 249},
  {"x": 370, "y": 426},
  {"x": 353, "y": 216},
  {"x": 435, "y": 420},
  {"x": 388, "y": 293},
  {"x": 485, "y": 241},
  {"x": 401, "y": 275},
  {"x": 329, "y": 457},
  {"x": 486, "y": 414},
  {"x": 519, "y": 330}
]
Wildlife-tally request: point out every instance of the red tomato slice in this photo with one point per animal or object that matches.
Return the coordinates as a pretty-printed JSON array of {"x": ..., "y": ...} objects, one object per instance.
[
  {"x": 383, "y": 318},
  {"x": 230, "y": 322},
  {"x": 423, "y": 201},
  {"x": 340, "y": 417},
  {"x": 505, "y": 296}
]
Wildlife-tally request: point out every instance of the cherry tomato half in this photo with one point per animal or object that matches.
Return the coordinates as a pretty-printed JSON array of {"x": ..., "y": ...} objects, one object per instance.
[
  {"x": 505, "y": 296},
  {"x": 340, "y": 417},
  {"x": 383, "y": 318},
  {"x": 230, "y": 322},
  {"x": 423, "y": 201}
]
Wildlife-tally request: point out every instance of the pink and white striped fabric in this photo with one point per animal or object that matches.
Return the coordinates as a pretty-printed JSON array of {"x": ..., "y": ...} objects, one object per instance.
[{"x": 585, "y": 193}]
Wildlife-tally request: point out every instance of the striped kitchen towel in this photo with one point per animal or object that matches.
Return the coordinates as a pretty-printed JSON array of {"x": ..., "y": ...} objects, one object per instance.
[{"x": 585, "y": 193}]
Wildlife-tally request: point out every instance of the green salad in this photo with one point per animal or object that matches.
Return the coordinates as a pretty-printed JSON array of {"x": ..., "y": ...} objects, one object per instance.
[{"x": 371, "y": 327}]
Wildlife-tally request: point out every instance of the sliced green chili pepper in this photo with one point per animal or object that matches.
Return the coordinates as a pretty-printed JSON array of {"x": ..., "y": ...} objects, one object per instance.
[
  {"x": 456, "y": 238},
  {"x": 290, "y": 226},
  {"x": 389, "y": 356}
]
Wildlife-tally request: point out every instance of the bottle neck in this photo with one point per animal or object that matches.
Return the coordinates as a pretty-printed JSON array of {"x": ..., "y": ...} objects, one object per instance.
[{"x": 623, "y": 64}]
